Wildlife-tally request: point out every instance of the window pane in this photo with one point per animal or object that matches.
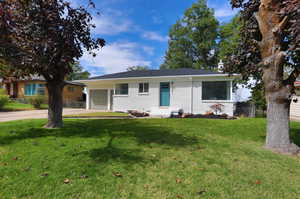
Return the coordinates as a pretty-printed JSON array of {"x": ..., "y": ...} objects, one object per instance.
[
  {"x": 146, "y": 87},
  {"x": 216, "y": 90},
  {"x": 33, "y": 89},
  {"x": 121, "y": 89},
  {"x": 28, "y": 89},
  {"x": 71, "y": 89},
  {"x": 141, "y": 87}
]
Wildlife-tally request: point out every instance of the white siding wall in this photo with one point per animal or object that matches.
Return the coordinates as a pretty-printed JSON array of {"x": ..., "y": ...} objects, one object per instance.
[
  {"x": 181, "y": 92},
  {"x": 135, "y": 101},
  {"x": 180, "y": 97},
  {"x": 200, "y": 106},
  {"x": 295, "y": 107}
]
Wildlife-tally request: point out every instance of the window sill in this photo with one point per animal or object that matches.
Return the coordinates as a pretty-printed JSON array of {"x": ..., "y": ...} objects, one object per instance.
[
  {"x": 143, "y": 93},
  {"x": 217, "y": 101},
  {"x": 121, "y": 95}
]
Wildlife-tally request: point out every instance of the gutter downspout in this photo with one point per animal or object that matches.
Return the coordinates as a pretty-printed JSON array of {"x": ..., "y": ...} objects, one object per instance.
[{"x": 192, "y": 97}]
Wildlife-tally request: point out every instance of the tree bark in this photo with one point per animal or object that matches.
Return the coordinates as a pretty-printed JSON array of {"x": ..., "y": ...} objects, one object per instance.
[
  {"x": 278, "y": 128},
  {"x": 55, "y": 102},
  {"x": 278, "y": 93}
]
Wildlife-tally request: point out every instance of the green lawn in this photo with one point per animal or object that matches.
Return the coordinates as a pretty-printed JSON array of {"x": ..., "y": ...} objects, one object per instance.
[
  {"x": 16, "y": 106},
  {"x": 99, "y": 114},
  {"x": 144, "y": 159}
]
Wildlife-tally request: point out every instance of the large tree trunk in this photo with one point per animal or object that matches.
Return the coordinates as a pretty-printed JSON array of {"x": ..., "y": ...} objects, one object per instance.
[
  {"x": 278, "y": 129},
  {"x": 55, "y": 101},
  {"x": 278, "y": 93}
]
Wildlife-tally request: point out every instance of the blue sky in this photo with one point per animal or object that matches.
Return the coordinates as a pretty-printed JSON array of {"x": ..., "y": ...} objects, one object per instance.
[{"x": 136, "y": 31}]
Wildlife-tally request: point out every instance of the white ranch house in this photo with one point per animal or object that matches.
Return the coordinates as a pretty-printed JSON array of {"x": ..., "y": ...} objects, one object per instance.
[{"x": 160, "y": 92}]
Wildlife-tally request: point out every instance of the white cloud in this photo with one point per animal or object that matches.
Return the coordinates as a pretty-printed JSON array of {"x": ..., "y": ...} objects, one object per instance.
[
  {"x": 149, "y": 50},
  {"x": 222, "y": 10},
  {"x": 110, "y": 25},
  {"x": 154, "y": 36},
  {"x": 116, "y": 57},
  {"x": 225, "y": 12}
]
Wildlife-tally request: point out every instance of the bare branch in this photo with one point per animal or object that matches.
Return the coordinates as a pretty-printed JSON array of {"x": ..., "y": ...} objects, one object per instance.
[{"x": 280, "y": 27}]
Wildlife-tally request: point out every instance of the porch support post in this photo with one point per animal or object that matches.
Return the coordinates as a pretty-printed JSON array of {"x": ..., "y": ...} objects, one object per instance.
[
  {"x": 231, "y": 90},
  {"x": 108, "y": 99},
  {"x": 88, "y": 98}
]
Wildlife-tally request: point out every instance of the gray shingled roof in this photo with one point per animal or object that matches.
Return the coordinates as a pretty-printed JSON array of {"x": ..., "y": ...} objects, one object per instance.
[
  {"x": 156, "y": 73},
  {"x": 41, "y": 78}
]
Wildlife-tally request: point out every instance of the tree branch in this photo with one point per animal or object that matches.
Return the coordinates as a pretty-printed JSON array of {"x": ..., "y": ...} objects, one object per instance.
[
  {"x": 293, "y": 77},
  {"x": 279, "y": 28}
]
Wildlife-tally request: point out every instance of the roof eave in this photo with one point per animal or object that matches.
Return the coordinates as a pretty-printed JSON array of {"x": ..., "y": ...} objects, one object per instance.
[{"x": 156, "y": 77}]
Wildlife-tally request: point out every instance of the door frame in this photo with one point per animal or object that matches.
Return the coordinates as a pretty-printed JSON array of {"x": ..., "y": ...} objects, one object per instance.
[{"x": 160, "y": 94}]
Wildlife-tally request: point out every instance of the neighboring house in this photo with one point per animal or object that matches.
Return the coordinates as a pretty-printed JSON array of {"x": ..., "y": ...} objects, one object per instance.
[
  {"x": 160, "y": 92},
  {"x": 295, "y": 105},
  {"x": 23, "y": 88}
]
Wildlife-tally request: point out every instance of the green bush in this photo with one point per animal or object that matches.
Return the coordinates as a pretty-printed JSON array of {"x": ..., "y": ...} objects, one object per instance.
[
  {"x": 37, "y": 101},
  {"x": 4, "y": 99}
]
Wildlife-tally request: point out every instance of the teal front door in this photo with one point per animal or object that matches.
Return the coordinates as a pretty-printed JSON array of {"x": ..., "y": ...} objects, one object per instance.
[{"x": 164, "y": 94}]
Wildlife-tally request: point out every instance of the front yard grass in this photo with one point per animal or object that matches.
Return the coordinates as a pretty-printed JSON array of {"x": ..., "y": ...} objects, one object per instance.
[
  {"x": 144, "y": 159},
  {"x": 99, "y": 114},
  {"x": 16, "y": 106}
]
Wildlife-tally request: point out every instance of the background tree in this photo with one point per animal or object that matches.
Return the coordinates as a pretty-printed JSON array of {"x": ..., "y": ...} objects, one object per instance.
[
  {"x": 134, "y": 68},
  {"x": 229, "y": 35},
  {"x": 45, "y": 38},
  {"x": 270, "y": 43},
  {"x": 230, "y": 39},
  {"x": 78, "y": 72},
  {"x": 258, "y": 97},
  {"x": 192, "y": 42}
]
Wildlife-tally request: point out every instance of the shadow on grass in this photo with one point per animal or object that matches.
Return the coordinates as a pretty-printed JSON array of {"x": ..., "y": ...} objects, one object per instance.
[{"x": 143, "y": 134}]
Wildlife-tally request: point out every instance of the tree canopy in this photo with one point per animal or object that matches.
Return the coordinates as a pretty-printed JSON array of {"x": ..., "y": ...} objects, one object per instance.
[
  {"x": 46, "y": 38},
  {"x": 78, "y": 72},
  {"x": 229, "y": 38},
  {"x": 192, "y": 42},
  {"x": 134, "y": 68}
]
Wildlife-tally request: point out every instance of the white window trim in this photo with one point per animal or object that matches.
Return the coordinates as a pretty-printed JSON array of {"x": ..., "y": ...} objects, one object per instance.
[
  {"x": 120, "y": 95},
  {"x": 143, "y": 93},
  {"x": 218, "y": 101}
]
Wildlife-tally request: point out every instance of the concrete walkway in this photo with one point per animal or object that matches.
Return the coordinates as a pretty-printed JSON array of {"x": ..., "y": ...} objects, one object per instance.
[{"x": 36, "y": 114}]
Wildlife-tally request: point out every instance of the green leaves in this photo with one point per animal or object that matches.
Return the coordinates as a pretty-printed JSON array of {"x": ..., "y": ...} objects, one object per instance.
[
  {"x": 45, "y": 37},
  {"x": 192, "y": 41}
]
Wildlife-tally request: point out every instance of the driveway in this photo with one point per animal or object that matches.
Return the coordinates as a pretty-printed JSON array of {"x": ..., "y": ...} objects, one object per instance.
[{"x": 36, "y": 114}]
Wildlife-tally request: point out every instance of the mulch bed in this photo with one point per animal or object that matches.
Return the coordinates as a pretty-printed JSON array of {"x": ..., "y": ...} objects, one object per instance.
[{"x": 223, "y": 117}]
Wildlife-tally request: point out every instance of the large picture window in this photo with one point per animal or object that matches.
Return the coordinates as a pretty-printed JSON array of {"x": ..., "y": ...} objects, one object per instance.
[
  {"x": 220, "y": 90},
  {"x": 143, "y": 88},
  {"x": 34, "y": 89},
  {"x": 121, "y": 89}
]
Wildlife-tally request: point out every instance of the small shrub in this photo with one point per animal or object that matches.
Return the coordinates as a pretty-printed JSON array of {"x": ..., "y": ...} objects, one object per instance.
[
  {"x": 37, "y": 101},
  {"x": 4, "y": 99}
]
